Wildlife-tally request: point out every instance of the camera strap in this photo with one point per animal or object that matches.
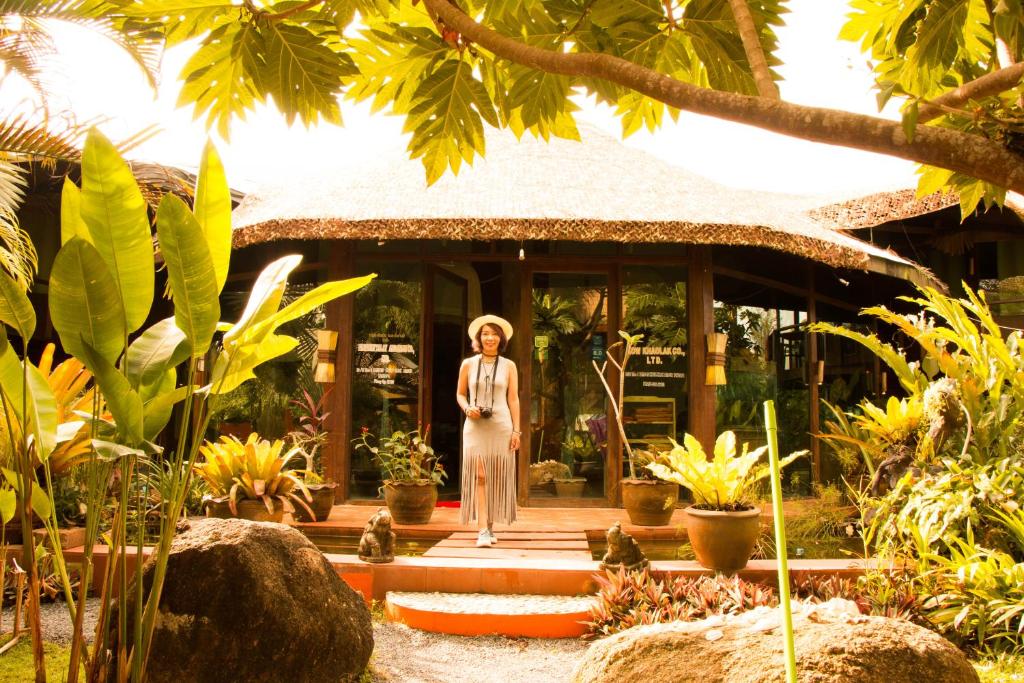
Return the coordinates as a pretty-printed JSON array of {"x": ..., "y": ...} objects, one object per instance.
[{"x": 494, "y": 376}]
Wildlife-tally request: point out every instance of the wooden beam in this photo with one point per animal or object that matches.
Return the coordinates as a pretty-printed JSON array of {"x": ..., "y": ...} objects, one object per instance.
[
  {"x": 700, "y": 297},
  {"x": 340, "y": 317},
  {"x": 813, "y": 390}
]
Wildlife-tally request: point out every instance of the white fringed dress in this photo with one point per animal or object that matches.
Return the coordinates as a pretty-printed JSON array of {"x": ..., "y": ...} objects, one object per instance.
[{"x": 487, "y": 440}]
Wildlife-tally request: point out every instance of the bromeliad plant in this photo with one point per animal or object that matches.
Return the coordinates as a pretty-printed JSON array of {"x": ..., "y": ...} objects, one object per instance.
[
  {"x": 253, "y": 470},
  {"x": 404, "y": 456},
  {"x": 723, "y": 483},
  {"x": 100, "y": 295}
]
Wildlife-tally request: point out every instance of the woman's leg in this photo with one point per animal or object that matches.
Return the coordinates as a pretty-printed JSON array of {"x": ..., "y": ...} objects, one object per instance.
[{"x": 482, "y": 511}]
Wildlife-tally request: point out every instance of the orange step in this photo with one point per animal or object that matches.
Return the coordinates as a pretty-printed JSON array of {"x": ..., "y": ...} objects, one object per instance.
[
  {"x": 516, "y": 545},
  {"x": 479, "y": 614}
]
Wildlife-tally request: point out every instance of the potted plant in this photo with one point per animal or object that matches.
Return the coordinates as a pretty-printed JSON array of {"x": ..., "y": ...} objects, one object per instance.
[
  {"x": 411, "y": 472},
  {"x": 248, "y": 480},
  {"x": 723, "y": 523},
  {"x": 648, "y": 501},
  {"x": 310, "y": 438}
]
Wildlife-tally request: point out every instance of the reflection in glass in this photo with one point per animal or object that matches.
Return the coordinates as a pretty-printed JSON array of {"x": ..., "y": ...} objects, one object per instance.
[
  {"x": 765, "y": 359},
  {"x": 655, "y": 401},
  {"x": 385, "y": 380},
  {"x": 568, "y": 416}
]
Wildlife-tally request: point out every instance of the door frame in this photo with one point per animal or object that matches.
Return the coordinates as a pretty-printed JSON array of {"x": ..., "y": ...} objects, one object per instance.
[{"x": 613, "y": 454}]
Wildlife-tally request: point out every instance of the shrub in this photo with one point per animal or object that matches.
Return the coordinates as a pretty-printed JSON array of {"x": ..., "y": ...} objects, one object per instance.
[
  {"x": 946, "y": 466},
  {"x": 628, "y": 599}
]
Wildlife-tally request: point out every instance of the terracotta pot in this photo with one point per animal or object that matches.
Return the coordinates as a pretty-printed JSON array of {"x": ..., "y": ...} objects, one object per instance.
[
  {"x": 649, "y": 502},
  {"x": 253, "y": 510},
  {"x": 323, "y": 501},
  {"x": 411, "y": 502},
  {"x": 723, "y": 541},
  {"x": 570, "y": 488}
]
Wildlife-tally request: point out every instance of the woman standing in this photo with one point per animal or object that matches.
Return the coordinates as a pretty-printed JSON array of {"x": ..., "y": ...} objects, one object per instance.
[{"x": 488, "y": 394}]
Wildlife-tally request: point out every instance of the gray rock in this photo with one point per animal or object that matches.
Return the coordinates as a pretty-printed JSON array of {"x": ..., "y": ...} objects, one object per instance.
[
  {"x": 830, "y": 648},
  {"x": 249, "y": 601}
]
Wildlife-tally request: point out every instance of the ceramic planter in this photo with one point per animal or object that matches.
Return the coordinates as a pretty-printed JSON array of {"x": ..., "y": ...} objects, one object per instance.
[
  {"x": 570, "y": 488},
  {"x": 649, "y": 502},
  {"x": 253, "y": 510},
  {"x": 323, "y": 501},
  {"x": 410, "y": 502},
  {"x": 723, "y": 541}
]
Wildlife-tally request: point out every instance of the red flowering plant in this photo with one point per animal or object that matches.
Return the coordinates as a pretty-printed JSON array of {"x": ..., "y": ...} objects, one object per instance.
[{"x": 403, "y": 456}]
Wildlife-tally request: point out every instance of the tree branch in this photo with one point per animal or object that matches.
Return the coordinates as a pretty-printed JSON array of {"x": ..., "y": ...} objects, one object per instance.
[
  {"x": 969, "y": 154},
  {"x": 755, "y": 52},
  {"x": 993, "y": 83}
]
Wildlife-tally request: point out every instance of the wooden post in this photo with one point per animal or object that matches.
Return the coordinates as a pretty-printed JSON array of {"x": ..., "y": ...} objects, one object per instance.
[
  {"x": 813, "y": 390},
  {"x": 700, "y": 298},
  {"x": 337, "y": 454}
]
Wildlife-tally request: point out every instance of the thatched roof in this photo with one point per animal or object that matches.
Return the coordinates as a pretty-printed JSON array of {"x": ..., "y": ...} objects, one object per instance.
[
  {"x": 880, "y": 207},
  {"x": 536, "y": 190}
]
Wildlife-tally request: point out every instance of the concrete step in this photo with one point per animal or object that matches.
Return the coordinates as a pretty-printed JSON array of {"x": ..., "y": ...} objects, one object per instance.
[{"x": 478, "y": 614}]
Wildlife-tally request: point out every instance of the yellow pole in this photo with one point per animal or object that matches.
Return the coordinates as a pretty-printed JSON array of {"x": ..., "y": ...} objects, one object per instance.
[{"x": 780, "y": 538}]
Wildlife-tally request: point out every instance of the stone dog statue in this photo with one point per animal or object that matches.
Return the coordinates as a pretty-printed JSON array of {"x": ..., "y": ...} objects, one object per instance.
[
  {"x": 378, "y": 541},
  {"x": 623, "y": 551}
]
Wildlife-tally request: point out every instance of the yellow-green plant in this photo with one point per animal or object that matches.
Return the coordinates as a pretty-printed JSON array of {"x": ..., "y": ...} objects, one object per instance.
[
  {"x": 100, "y": 295},
  {"x": 722, "y": 483},
  {"x": 252, "y": 470}
]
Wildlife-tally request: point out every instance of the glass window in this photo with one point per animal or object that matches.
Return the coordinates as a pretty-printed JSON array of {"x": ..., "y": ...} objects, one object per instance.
[
  {"x": 655, "y": 400},
  {"x": 385, "y": 383},
  {"x": 568, "y": 415},
  {"x": 766, "y": 353}
]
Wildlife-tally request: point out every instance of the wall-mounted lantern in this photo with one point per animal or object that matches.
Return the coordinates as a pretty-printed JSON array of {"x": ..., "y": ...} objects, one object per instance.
[
  {"x": 326, "y": 356},
  {"x": 715, "y": 374}
]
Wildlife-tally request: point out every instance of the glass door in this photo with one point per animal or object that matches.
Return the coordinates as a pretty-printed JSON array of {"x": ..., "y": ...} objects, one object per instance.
[{"x": 568, "y": 412}]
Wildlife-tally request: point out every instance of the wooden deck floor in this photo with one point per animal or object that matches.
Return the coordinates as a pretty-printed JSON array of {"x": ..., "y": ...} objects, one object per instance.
[
  {"x": 591, "y": 522},
  {"x": 530, "y": 545}
]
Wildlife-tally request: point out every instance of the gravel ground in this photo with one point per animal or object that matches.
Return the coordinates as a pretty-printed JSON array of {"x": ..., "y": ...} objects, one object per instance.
[
  {"x": 402, "y": 654},
  {"x": 57, "y": 621},
  {"x": 413, "y": 656}
]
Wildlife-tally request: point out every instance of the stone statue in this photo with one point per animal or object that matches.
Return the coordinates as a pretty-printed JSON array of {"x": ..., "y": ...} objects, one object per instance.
[
  {"x": 623, "y": 551},
  {"x": 378, "y": 541}
]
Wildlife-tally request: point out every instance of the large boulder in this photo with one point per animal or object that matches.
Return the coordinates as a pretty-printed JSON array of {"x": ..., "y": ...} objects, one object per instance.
[
  {"x": 251, "y": 601},
  {"x": 833, "y": 645}
]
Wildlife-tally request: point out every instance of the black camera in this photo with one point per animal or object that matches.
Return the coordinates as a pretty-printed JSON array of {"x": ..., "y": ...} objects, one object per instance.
[{"x": 485, "y": 412}]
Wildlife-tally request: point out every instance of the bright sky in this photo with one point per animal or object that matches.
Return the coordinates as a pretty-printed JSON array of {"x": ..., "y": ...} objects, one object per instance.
[{"x": 95, "y": 79}]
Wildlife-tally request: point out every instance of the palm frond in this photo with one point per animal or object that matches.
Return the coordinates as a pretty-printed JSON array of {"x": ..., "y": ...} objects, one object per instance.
[
  {"x": 17, "y": 253},
  {"x": 24, "y": 49}
]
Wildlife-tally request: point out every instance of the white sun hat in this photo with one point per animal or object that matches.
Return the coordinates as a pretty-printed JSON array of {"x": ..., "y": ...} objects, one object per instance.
[{"x": 475, "y": 326}]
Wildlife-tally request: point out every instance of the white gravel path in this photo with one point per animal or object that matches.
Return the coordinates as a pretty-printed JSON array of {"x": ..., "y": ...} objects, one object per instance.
[
  {"x": 409, "y": 655},
  {"x": 405, "y": 655}
]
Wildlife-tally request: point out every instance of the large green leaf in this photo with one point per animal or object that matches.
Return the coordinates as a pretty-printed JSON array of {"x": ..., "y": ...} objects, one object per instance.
[
  {"x": 71, "y": 223},
  {"x": 191, "y": 18},
  {"x": 234, "y": 366},
  {"x": 446, "y": 118},
  {"x": 115, "y": 211},
  {"x": 219, "y": 78},
  {"x": 212, "y": 208},
  {"x": 32, "y": 401},
  {"x": 265, "y": 296},
  {"x": 8, "y": 504},
  {"x": 303, "y": 74},
  {"x": 15, "y": 308},
  {"x": 158, "y": 399},
  {"x": 304, "y": 304},
  {"x": 393, "y": 59},
  {"x": 84, "y": 302},
  {"x": 159, "y": 348},
  {"x": 190, "y": 272},
  {"x": 41, "y": 504},
  {"x": 123, "y": 402}
]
